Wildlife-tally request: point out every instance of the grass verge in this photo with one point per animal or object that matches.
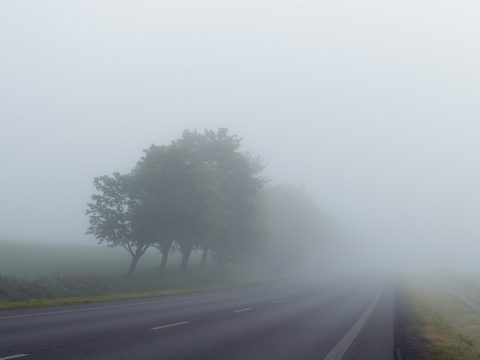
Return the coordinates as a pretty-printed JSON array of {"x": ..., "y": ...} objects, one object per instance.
[
  {"x": 450, "y": 328},
  {"x": 45, "y": 302},
  {"x": 18, "y": 293}
]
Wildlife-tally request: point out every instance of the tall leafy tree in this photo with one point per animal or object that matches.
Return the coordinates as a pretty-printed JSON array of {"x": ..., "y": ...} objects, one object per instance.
[
  {"x": 198, "y": 193},
  {"x": 151, "y": 173},
  {"x": 236, "y": 230},
  {"x": 184, "y": 194},
  {"x": 120, "y": 215}
]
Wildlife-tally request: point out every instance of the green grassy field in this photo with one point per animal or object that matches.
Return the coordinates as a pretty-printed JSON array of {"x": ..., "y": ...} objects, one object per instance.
[
  {"x": 451, "y": 329},
  {"x": 33, "y": 259},
  {"x": 35, "y": 274}
]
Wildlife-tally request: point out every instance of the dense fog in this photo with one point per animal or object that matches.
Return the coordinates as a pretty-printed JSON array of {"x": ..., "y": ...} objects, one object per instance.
[{"x": 372, "y": 107}]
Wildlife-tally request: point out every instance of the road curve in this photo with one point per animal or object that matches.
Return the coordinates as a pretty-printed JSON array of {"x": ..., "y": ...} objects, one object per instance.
[{"x": 307, "y": 319}]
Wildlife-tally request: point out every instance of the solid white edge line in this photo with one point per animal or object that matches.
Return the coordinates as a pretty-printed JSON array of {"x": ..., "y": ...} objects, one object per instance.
[
  {"x": 163, "y": 300},
  {"x": 167, "y": 326},
  {"x": 14, "y": 356},
  {"x": 342, "y": 346},
  {"x": 242, "y": 310}
]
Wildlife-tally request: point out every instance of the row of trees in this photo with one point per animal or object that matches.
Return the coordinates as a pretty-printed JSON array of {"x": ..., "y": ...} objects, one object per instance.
[{"x": 201, "y": 192}]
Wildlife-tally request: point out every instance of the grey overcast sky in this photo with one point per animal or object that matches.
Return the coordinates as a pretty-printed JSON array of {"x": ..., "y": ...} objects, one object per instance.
[{"x": 372, "y": 105}]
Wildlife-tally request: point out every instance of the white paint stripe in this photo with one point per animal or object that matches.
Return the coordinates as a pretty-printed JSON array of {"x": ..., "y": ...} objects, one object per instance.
[
  {"x": 105, "y": 307},
  {"x": 342, "y": 346},
  {"x": 170, "y": 325},
  {"x": 71, "y": 311},
  {"x": 242, "y": 310},
  {"x": 14, "y": 356},
  {"x": 165, "y": 299}
]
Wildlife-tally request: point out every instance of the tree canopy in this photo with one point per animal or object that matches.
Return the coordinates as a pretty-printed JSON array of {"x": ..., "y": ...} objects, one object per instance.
[{"x": 197, "y": 193}]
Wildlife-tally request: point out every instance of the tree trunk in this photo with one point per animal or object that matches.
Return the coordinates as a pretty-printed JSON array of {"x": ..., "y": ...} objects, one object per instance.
[
  {"x": 163, "y": 263},
  {"x": 133, "y": 264},
  {"x": 185, "y": 257},
  {"x": 204, "y": 257},
  {"x": 165, "y": 249}
]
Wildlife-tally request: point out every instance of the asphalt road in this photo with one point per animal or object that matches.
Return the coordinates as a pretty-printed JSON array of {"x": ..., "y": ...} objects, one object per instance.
[{"x": 308, "y": 319}]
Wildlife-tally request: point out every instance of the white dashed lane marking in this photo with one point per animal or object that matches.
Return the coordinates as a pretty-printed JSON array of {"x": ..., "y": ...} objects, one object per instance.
[
  {"x": 170, "y": 325},
  {"x": 242, "y": 310},
  {"x": 14, "y": 356}
]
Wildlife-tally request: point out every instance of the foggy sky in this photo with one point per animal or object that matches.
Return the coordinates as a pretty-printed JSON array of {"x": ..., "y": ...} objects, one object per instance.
[{"x": 373, "y": 106}]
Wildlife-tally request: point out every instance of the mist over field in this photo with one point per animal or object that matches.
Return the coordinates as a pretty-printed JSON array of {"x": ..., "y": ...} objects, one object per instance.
[
  {"x": 255, "y": 179},
  {"x": 371, "y": 106}
]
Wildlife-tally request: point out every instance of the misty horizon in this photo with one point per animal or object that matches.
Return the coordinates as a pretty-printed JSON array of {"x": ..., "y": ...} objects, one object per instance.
[{"x": 382, "y": 132}]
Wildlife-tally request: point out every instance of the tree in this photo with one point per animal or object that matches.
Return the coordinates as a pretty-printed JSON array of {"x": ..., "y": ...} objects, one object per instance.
[
  {"x": 198, "y": 193},
  {"x": 205, "y": 190},
  {"x": 239, "y": 230},
  {"x": 150, "y": 171},
  {"x": 184, "y": 192},
  {"x": 120, "y": 216}
]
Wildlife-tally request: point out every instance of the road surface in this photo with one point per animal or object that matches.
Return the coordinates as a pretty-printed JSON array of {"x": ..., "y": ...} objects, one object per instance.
[{"x": 308, "y": 319}]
